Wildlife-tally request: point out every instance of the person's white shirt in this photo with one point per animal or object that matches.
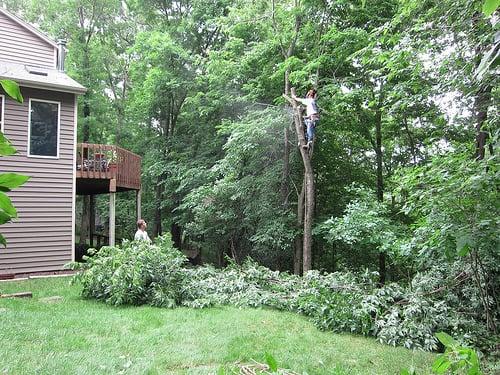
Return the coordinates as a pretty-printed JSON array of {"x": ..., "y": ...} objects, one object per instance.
[
  {"x": 141, "y": 235},
  {"x": 309, "y": 103}
]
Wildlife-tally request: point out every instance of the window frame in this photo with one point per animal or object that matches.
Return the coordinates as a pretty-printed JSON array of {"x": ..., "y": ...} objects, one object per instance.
[
  {"x": 2, "y": 114},
  {"x": 29, "y": 154}
]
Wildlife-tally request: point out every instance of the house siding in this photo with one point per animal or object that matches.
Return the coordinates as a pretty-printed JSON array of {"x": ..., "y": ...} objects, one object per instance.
[
  {"x": 41, "y": 238},
  {"x": 19, "y": 45}
]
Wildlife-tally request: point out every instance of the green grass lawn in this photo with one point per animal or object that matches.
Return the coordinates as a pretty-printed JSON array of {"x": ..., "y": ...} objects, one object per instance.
[{"x": 75, "y": 336}]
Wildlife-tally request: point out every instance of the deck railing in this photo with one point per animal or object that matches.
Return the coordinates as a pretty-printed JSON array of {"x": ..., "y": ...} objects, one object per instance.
[{"x": 96, "y": 161}]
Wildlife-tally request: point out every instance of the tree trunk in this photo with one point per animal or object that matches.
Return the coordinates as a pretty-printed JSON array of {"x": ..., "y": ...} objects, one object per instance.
[
  {"x": 234, "y": 251},
  {"x": 286, "y": 169},
  {"x": 411, "y": 140},
  {"x": 334, "y": 258},
  {"x": 308, "y": 220},
  {"x": 176, "y": 232},
  {"x": 482, "y": 100},
  {"x": 157, "y": 230},
  {"x": 91, "y": 219},
  {"x": 483, "y": 95},
  {"x": 84, "y": 227},
  {"x": 297, "y": 259},
  {"x": 380, "y": 181},
  {"x": 309, "y": 186}
]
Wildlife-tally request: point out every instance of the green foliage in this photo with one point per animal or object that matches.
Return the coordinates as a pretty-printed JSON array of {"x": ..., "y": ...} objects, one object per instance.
[
  {"x": 233, "y": 212},
  {"x": 136, "y": 273},
  {"x": 8, "y": 181},
  {"x": 489, "y": 6},
  {"x": 12, "y": 89},
  {"x": 139, "y": 273},
  {"x": 365, "y": 224},
  {"x": 271, "y": 362},
  {"x": 455, "y": 197},
  {"x": 456, "y": 359}
]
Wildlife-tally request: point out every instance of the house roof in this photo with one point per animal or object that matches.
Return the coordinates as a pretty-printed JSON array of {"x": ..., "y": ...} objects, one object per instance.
[
  {"x": 28, "y": 27},
  {"x": 37, "y": 77},
  {"x": 40, "y": 77}
]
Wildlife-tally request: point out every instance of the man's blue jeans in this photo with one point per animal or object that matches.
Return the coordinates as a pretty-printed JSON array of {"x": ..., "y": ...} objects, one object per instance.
[{"x": 310, "y": 127}]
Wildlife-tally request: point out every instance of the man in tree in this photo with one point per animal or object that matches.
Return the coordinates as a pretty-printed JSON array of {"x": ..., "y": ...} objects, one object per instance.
[{"x": 312, "y": 114}]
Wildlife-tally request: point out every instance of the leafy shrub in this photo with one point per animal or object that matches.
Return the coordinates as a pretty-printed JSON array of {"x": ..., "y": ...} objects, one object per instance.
[{"x": 135, "y": 273}]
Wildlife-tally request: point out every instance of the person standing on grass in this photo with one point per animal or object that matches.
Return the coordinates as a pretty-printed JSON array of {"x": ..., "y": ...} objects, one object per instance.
[
  {"x": 312, "y": 114},
  {"x": 141, "y": 234}
]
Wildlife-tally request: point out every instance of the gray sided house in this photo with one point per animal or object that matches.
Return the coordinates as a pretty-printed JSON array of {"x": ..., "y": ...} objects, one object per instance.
[{"x": 43, "y": 130}]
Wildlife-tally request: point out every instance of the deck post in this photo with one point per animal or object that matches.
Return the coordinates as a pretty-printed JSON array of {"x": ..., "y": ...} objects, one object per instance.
[
  {"x": 92, "y": 220},
  {"x": 138, "y": 203},
  {"x": 112, "y": 201}
]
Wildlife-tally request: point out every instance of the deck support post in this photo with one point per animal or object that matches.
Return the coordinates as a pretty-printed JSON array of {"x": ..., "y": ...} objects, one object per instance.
[
  {"x": 112, "y": 202},
  {"x": 138, "y": 204},
  {"x": 92, "y": 220}
]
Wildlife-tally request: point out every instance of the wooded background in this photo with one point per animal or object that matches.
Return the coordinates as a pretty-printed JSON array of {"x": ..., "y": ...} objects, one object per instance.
[{"x": 404, "y": 160}]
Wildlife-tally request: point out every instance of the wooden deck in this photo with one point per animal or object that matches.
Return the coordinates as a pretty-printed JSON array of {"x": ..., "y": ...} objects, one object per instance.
[{"x": 102, "y": 169}]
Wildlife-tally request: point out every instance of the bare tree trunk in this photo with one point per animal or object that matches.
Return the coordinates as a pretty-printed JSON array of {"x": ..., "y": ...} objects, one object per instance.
[
  {"x": 411, "y": 140},
  {"x": 176, "y": 232},
  {"x": 286, "y": 169},
  {"x": 483, "y": 95},
  {"x": 487, "y": 300},
  {"x": 380, "y": 181},
  {"x": 297, "y": 259},
  {"x": 308, "y": 219},
  {"x": 91, "y": 219},
  {"x": 84, "y": 227},
  {"x": 234, "y": 251},
  {"x": 309, "y": 186},
  {"x": 482, "y": 100},
  {"x": 157, "y": 230}
]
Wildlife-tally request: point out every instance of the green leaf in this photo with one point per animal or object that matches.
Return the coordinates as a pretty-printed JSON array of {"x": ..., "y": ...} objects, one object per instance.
[
  {"x": 5, "y": 147},
  {"x": 3, "y": 241},
  {"x": 12, "y": 89},
  {"x": 6, "y": 205},
  {"x": 271, "y": 362},
  {"x": 4, "y": 218},
  {"x": 441, "y": 365},
  {"x": 488, "y": 60},
  {"x": 406, "y": 371},
  {"x": 446, "y": 339},
  {"x": 489, "y": 6},
  {"x": 11, "y": 181},
  {"x": 464, "y": 244}
]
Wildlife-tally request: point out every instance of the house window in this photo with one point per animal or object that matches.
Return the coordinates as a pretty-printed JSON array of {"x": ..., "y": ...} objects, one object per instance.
[
  {"x": 2, "y": 105},
  {"x": 43, "y": 128}
]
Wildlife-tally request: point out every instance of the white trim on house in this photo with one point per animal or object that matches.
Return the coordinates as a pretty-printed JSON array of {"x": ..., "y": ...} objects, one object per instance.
[
  {"x": 28, "y": 27},
  {"x": 53, "y": 79},
  {"x": 28, "y": 152},
  {"x": 73, "y": 211},
  {"x": 2, "y": 113}
]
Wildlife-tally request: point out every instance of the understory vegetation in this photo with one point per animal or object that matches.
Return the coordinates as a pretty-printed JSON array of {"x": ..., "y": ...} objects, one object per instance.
[{"x": 139, "y": 273}]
